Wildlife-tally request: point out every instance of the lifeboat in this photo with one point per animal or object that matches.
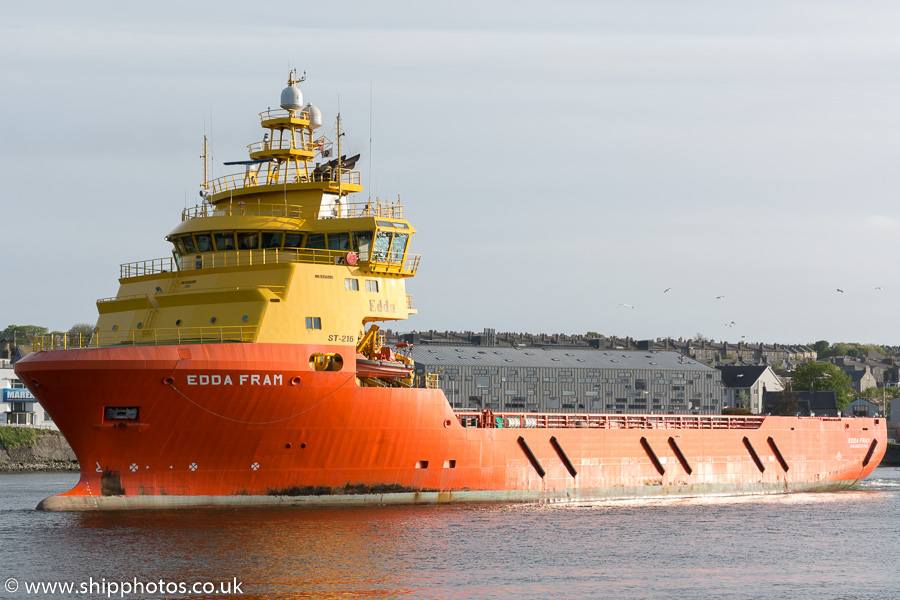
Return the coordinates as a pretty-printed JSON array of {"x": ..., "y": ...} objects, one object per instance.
[{"x": 382, "y": 369}]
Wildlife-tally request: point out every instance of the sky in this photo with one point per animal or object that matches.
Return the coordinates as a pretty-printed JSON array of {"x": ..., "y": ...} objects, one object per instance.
[{"x": 564, "y": 163}]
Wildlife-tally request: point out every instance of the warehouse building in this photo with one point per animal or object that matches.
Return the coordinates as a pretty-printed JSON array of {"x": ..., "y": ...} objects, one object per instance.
[{"x": 535, "y": 379}]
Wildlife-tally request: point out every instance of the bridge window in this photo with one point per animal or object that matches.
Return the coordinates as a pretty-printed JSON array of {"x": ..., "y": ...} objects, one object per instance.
[
  {"x": 362, "y": 243},
  {"x": 293, "y": 240},
  {"x": 382, "y": 245},
  {"x": 272, "y": 239},
  {"x": 316, "y": 241},
  {"x": 204, "y": 242},
  {"x": 224, "y": 240},
  {"x": 248, "y": 240},
  {"x": 371, "y": 285},
  {"x": 338, "y": 241},
  {"x": 399, "y": 247},
  {"x": 314, "y": 322},
  {"x": 188, "y": 242},
  {"x": 351, "y": 284}
]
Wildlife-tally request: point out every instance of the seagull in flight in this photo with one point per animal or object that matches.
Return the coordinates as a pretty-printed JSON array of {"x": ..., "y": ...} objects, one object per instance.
[
  {"x": 667, "y": 290},
  {"x": 880, "y": 287},
  {"x": 720, "y": 297},
  {"x": 840, "y": 290},
  {"x": 628, "y": 305}
]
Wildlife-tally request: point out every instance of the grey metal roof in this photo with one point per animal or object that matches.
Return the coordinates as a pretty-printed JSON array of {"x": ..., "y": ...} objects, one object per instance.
[{"x": 553, "y": 357}]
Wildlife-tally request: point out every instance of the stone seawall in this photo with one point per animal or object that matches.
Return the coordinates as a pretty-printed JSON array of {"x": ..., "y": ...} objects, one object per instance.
[{"x": 23, "y": 449}]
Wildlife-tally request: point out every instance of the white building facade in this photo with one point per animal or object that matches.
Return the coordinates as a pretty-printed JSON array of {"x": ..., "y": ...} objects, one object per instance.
[{"x": 19, "y": 406}]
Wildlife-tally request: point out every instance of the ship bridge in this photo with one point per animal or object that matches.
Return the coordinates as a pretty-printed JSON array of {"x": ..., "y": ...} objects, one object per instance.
[{"x": 278, "y": 253}]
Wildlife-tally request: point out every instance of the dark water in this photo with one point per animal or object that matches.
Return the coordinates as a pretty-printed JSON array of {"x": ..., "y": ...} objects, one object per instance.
[{"x": 838, "y": 545}]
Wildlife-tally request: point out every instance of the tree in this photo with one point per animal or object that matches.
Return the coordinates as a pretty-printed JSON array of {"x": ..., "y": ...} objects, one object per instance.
[
  {"x": 743, "y": 399},
  {"x": 823, "y": 377},
  {"x": 820, "y": 347},
  {"x": 877, "y": 392},
  {"x": 787, "y": 404},
  {"x": 22, "y": 332},
  {"x": 81, "y": 328}
]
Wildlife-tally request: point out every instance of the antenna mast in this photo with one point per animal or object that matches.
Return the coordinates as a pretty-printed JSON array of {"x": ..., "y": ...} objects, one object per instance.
[
  {"x": 339, "y": 174},
  {"x": 205, "y": 156}
]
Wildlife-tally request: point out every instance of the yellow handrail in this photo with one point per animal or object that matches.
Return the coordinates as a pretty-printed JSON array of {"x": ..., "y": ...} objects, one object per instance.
[
  {"x": 243, "y": 258},
  {"x": 144, "y": 337}
]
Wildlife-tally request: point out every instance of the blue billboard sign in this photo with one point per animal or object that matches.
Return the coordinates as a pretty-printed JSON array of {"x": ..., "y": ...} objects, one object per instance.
[{"x": 18, "y": 395}]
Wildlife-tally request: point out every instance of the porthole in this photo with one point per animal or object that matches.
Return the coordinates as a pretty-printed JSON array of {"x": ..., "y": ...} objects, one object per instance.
[
  {"x": 178, "y": 323},
  {"x": 244, "y": 318},
  {"x": 115, "y": 327},
  {"x": 140, "y": 325},
  {"x": 213, "y": 320}
]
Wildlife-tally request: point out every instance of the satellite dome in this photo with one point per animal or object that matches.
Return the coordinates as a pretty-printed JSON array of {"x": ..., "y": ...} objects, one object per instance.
[
  {"x": 291, "y": 98},
  {"x": 315, "y": 116}
]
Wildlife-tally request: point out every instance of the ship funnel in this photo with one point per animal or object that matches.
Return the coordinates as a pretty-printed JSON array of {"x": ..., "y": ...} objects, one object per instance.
[
  {"x": 291, "y": 98},
  {"x": 315, "y": 116}
]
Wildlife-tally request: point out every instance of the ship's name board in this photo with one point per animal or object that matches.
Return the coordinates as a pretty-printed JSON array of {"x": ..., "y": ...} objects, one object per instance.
[
  {"x": 859, "y": 442},
  {"x": 255, "y": 379},
  {"x": 20, "y": 395},
  {"x": 382, "y": 306}
]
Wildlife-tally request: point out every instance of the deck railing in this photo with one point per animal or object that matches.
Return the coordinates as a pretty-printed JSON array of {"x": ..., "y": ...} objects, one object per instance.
[
  {"x": 144, "y": 337},
  {"x": 491, "y": 419},
  {"x": 247, "y": 179},
  {"x": 243, "y": 258},
  {"x": 353, "y": 210}
]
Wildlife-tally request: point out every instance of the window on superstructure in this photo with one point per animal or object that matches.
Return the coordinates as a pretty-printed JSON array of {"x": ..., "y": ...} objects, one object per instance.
[
  {"x": 362, "y": 244},
  {"x": 316, "y": 241},
  {"x": 313, "y": 322},
  {"x": 272, "y": 239},
  {"x": 398, "y": 248},
  {"x": 371, "y": 285},
  {"x": 339, "y": 241},
  {"x": 224, "y": 240},
  {"x": 382, "y": 245},
  {"x": 293, "y": 240},
  {"x": 248, "y": 240},
  {"x": 188, "y": 243},
  {"x": 351, "y": 285},
  {"x": 179, "y": 247},
  {"x": 204, "y": 242}
]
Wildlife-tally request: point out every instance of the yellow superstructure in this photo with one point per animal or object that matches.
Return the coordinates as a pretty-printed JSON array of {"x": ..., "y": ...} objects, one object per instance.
[{"x": 279, "y": 253}]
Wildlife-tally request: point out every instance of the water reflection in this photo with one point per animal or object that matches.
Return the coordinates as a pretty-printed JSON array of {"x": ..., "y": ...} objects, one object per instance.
[{"x": 794, "y": 545}]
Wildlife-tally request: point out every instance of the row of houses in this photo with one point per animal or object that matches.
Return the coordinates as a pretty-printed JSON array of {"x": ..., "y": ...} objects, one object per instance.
[
  {"x": 701, "y": 350},
  {"x": 548, "y": 373}
]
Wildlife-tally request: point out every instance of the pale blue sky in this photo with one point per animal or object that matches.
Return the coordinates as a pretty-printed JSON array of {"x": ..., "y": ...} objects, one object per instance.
[{"x": 558, "y": 159}]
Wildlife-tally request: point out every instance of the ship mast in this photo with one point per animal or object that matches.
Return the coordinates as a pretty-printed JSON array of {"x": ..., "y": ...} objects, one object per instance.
[
  {"x": 205, "y": 156},
  {"x": 340, "y": 195}
]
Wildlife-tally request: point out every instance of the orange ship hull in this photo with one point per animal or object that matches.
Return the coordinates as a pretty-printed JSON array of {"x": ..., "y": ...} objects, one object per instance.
[{"x": 240, "y": 424}]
